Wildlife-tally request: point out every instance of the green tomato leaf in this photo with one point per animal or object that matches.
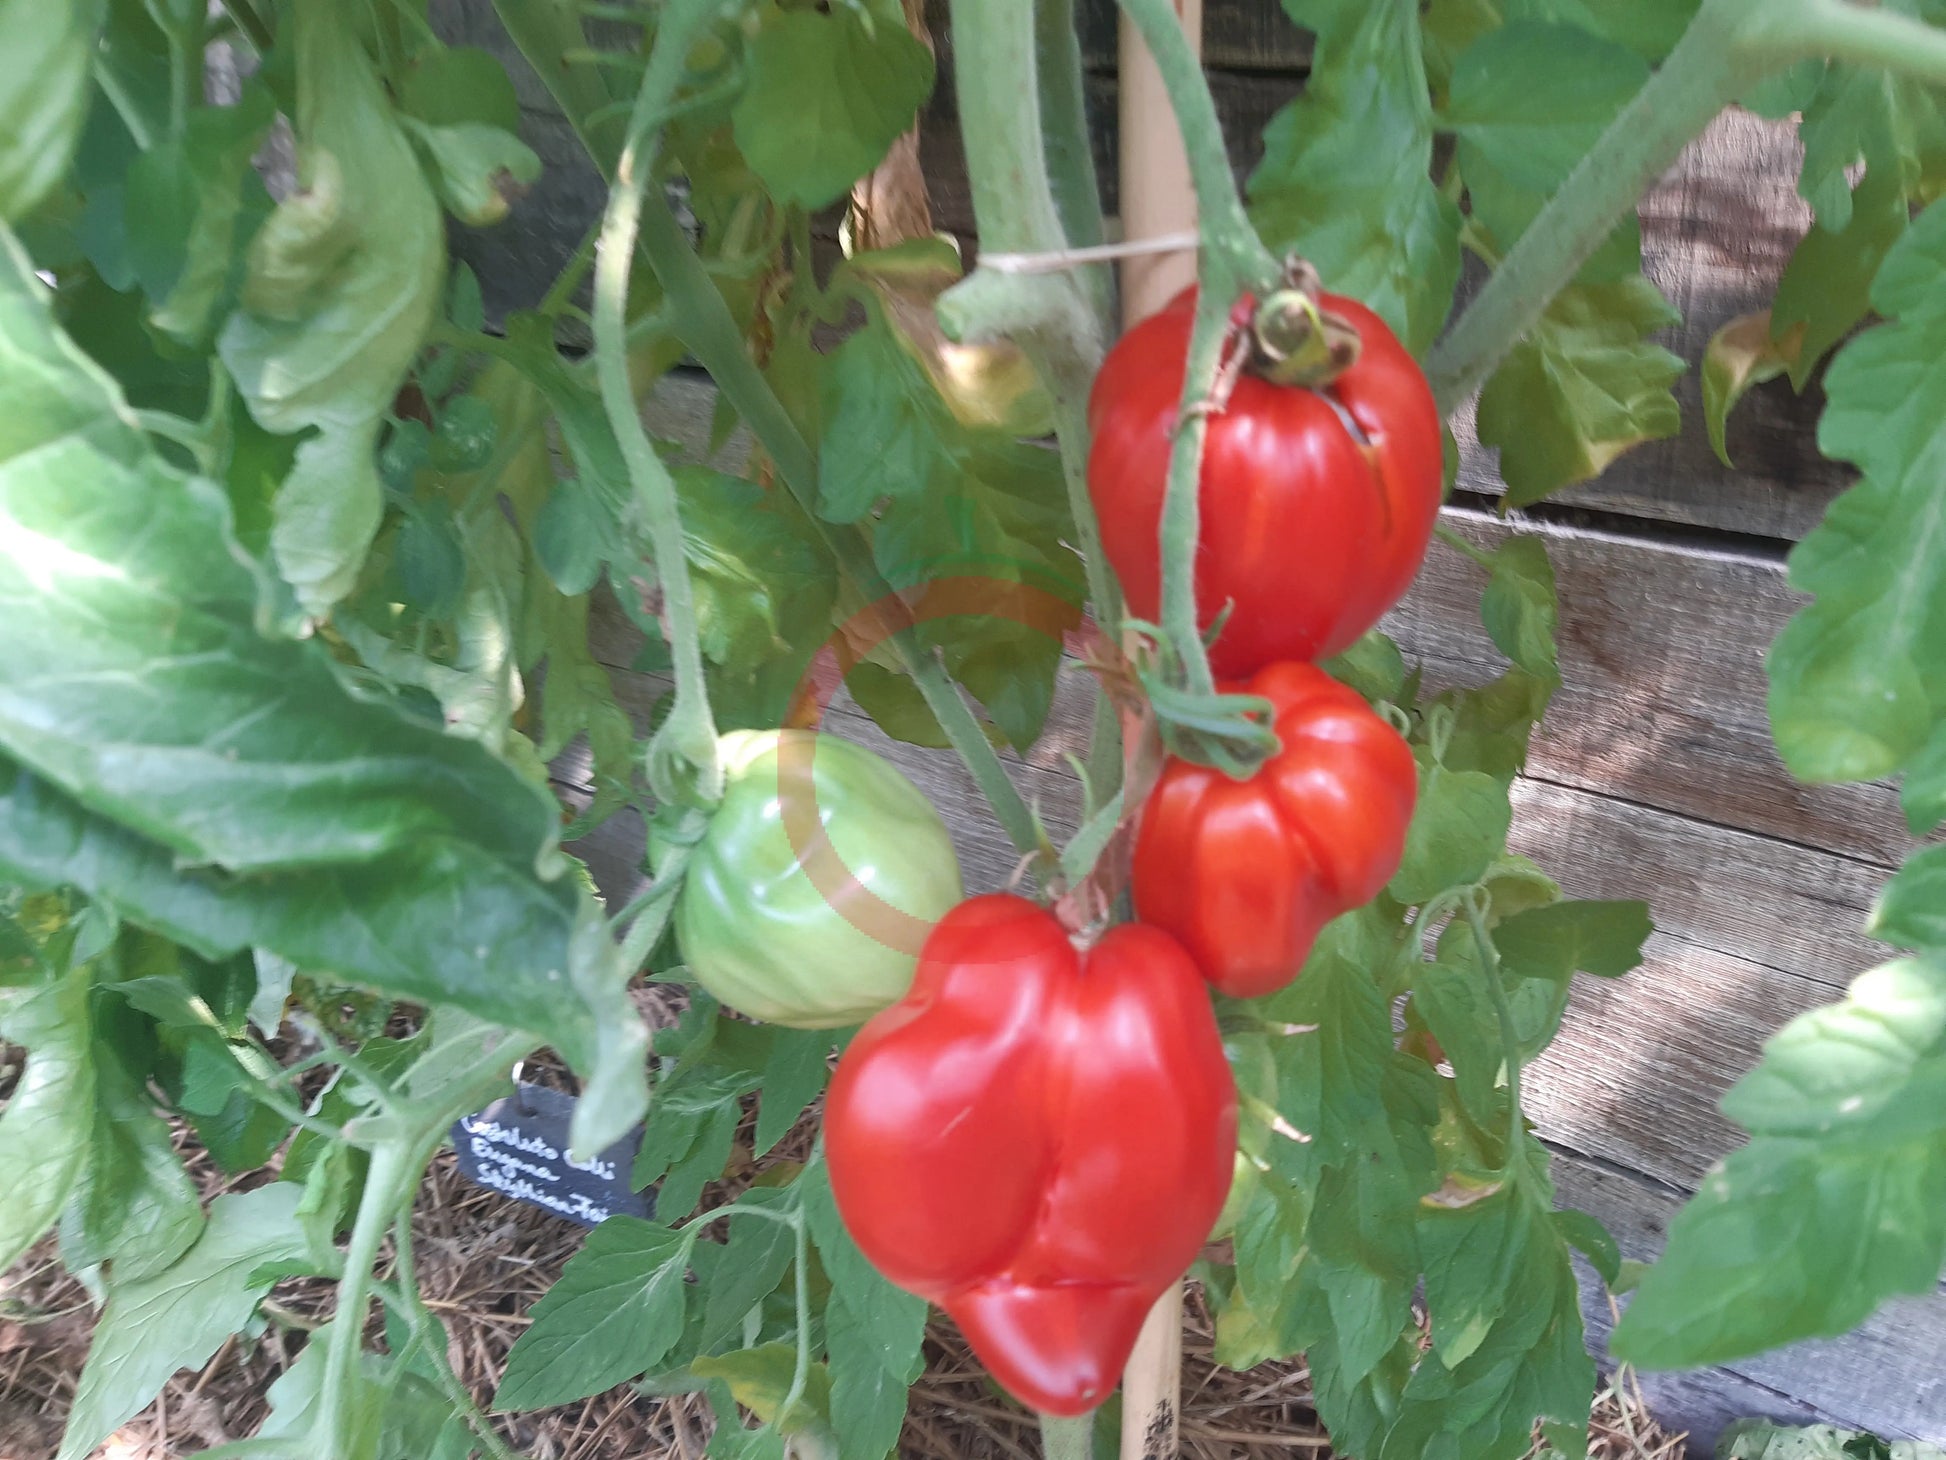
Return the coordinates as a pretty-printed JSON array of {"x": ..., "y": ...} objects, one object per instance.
[
  {"x": 794, "y": 1076},
  {"x": 1492, "y": 724},
  {"x": 1458, "y": 828},
  {"x": 1561, "y": 938},
  {"x": 243, "y": 751},
  {"x": 1357, "y": 1408},
  {"x": 614, "y": 1312},
  {"x": 194, "y": 193},
  {"x": 342, "y": 282},
  {"x": 747, "y": 1268},
  {"x": 764, "y": 584},
  {"x": 1373, "y": 666},
  {"x": 137, "y": 1206},
  {"x": 478, "y": 171},
  {"x": 1858, "y": 678},
  {"x": 451, "y": 86},
  {"x": 1826, "y": 287},
  {"x": 827, "y": 92},
  {"x": 442, "y": 922},
  {"x": 1870, "y": 1065},
  {"x": 964, "y": 510},
  {"x": 1519, "y": 607},
  {"x": 887, "y": 1317},
  {"x": 1512, "y": 1351},
  {"x": 1583, "y": 387},
  {"x": 1741, "y": 356},
  {"x": 1528, "y": 101},
  {"x": 1456, "y": 1003},
  {"x": 868, "y": 1395},
  {"x": 1650, "y": 28},
  {"x": 1364, "y": 1251},
  {"x": 1749, "y": 1259},
  {"x": 1594, "y": 1241},
  {"x": 1447, "y": 28},
  {"x": 430, "y": 560},
  {"x": 895, "y": 705},
  {"x": 571, "y": 537},
  {"x": 45, "y": 1128},
  {"x": 688, "y": 1135},
  {"x": 1330, "y": 1080},
  {"x": 177, "y": 1318},
  {"x": 1346, "y": 175},
  {"x": 45, "y": 90},
  {"x": 760, "y": 1380},
  {"x": 1845, "y": 1171},
  {"x": 881, "y": 437},
  {"x": 1892, "y": 124},
  {"x": 464, "y": 436},
  {"x": 1923, "y": 791},
  {"x": 295, "y": 1396}
]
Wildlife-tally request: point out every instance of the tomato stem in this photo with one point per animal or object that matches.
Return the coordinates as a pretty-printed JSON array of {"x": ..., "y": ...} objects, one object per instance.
[
  {"x": 1475, "y": 902},
  {"x": 1448, "y": 535},
  {"x": 1058, "y": 320},
  {"x": 1728, "y": 47},
  {"x": 682, "y": 756},
  {"x": 1842, "y": 31},
  {"x": 701, "y": 318},
  {"x": 1065, "y": 1437},
  {"x": 1066, "y": 143},
  {"x": 1230, "y": 244}
]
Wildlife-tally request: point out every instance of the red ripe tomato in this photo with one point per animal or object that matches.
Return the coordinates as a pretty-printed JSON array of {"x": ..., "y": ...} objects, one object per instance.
[
  {"x": 1037, "y": 1138},
  {"x": 1246, "y": 873},
  {"x": 1310, "y": 533}
]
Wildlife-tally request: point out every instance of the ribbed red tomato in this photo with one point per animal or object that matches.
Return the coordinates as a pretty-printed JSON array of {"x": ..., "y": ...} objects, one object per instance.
[
  {"x": 1245, "y": 873},
  {"x": 1038, "y": 1139},
  {"x": 1308, "y": 531}
]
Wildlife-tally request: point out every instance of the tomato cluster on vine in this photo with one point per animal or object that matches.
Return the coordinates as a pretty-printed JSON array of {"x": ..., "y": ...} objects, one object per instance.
[{"x": 1037, "y": 1130}]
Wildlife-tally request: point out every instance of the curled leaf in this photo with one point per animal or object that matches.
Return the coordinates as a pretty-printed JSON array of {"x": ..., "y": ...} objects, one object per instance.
[
  {"x": 343, "y": 280},
  {"x": 1740, "y": 356},
  {"x": 989, "y": 384},
  {"x": 479, "y": 171}
]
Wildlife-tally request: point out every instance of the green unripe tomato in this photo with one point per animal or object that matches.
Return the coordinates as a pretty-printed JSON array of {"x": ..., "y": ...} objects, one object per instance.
[{"x": 808, "y": 941}]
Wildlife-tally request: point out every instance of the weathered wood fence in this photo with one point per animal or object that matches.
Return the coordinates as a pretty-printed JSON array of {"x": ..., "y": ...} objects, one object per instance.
[{"x": 1654, "y": 774}]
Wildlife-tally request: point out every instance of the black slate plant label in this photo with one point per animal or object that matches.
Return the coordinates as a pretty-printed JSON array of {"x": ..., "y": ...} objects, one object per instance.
[{"x": 518, "y": 1146}]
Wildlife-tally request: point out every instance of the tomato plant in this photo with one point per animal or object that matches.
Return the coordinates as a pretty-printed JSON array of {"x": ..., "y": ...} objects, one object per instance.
[{"x": 314, "y": 571}]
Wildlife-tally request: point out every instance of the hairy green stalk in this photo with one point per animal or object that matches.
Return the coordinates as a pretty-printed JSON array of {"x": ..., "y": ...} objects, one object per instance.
[
  {"x": 688, "y": 737},
  {"x": 1057, "y": 319}
]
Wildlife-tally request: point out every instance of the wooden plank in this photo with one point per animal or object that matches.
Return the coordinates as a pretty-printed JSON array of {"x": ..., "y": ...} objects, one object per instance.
[
  {"x": 1788, "y": 907},
  {"x": 1661, "y": 649},
  {"x": 1635, "y": 1074},
  {"x": 1884, "y": 1376},
  {"x": 1717, "y": 231}
]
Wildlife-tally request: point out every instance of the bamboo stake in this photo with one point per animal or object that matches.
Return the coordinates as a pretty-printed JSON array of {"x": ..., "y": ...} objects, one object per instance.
[
  {"x": 1152, "y": 1384},
  {"x": 1156, "y": 197}
]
